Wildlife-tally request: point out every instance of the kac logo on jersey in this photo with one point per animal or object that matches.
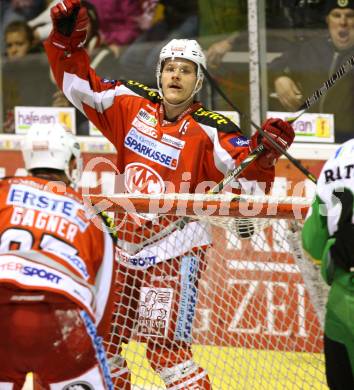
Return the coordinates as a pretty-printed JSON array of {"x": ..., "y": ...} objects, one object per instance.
[
  {"x": 239, "y": 141},
  {"x": 141, "y": 179},
  {"x": 152, "y": 149}
]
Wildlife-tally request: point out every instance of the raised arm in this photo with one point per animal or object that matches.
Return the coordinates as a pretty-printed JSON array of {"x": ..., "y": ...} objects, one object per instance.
[{"x": 70, "y": 65}]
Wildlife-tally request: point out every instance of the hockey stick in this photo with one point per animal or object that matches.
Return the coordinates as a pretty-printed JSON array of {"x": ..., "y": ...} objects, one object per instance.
[
  {"x": 343, "y": 69},
  {"x": 293, "y": 160}
]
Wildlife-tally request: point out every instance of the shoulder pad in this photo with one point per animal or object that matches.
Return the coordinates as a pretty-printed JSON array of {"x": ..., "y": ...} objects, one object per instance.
[
  {"x": 214, "y": 119},
  {"x": 142, "y": 90}
]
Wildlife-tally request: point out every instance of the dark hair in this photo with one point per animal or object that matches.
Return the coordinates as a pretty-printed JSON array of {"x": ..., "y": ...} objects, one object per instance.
[
  {"x": 20, "y": 25},
  {"x": 50, "y": 174},
  {"x": 40, "y": 171}
]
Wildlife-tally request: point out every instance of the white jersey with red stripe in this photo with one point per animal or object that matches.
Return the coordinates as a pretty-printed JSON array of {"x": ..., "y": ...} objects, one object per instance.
[
  {"x": 189, "y": 155},
  {"x": 49, "y": 243}
]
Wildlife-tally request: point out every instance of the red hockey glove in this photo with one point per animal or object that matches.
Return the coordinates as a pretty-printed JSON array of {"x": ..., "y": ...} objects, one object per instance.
[
  {"x": 281, "y": 132},
  {"x": 70, "y": 22}
]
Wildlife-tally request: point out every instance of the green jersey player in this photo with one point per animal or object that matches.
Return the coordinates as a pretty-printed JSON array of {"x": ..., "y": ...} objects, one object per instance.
[{"x": 328, "y": 237}]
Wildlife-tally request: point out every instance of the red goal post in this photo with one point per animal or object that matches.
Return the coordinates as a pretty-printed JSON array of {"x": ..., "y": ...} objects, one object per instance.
[
  {"x": 205, "y": 205},
  {"x": 260, "y": 310}
]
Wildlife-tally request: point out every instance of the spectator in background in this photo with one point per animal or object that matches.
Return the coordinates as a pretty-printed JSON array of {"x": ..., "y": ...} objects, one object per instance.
[
  {"x": 21, "y": 9},
  {"x": 15, "y": 10},
  {"x": 119, "y": 22},
  {"x": 295, "y": 14},
  {"x": 161, "y": 22},
  {"x": 19, "y": 43},
  {"x": 280, "y": 14},
  {"x": 304, "y": 68},
  {"x": 221, "y": 17},
  {"x": 18, "y": 40}
]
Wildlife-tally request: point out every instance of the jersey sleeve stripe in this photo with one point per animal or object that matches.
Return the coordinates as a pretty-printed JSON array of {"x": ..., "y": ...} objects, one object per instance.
[{"x": 79, "y": 91}]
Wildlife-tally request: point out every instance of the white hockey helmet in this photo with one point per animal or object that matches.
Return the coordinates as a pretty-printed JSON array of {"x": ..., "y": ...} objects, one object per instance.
[
  {"x": 182, "y": 48},
  {"x": 52, "y": 146}
]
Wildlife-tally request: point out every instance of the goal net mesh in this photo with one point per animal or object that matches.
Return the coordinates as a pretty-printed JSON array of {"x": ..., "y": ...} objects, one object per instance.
[{"x": 260, "y": 302}]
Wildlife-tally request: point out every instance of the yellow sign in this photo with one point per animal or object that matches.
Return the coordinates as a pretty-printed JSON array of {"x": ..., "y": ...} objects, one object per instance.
[
  {"x": 64, "y": 118},
  {"x": 322, "y": 127}
]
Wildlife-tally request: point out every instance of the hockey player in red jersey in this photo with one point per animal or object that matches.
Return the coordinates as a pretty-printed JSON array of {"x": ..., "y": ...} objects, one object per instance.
[
  {"x": 166, "y": 141},
  {"x": 56, "y": 272}
]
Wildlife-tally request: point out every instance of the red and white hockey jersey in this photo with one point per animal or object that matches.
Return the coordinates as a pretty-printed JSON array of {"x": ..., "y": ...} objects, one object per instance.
[
  {"x": 49, "y": 243},
  {"x": 189, "y": 155}
]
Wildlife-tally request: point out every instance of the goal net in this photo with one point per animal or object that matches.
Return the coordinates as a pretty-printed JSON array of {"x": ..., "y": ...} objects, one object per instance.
[{"x": 260, "y": 308}]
